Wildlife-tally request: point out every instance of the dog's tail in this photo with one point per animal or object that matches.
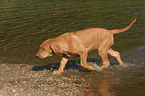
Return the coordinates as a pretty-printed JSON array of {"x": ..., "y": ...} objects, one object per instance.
[{"x": 123, "y": 29}]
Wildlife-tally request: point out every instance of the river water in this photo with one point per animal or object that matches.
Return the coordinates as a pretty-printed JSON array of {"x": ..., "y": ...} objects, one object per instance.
[{"x": 25, "y": 24}]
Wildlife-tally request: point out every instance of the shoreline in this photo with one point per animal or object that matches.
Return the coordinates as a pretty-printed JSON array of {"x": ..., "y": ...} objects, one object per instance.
[{"x": 19, "y": 79}]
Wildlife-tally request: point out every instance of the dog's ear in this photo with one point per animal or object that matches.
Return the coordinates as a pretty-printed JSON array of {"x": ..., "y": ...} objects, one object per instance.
[
  {"x": 46, "y": 45},
  {"x": 56, "y": 48}
]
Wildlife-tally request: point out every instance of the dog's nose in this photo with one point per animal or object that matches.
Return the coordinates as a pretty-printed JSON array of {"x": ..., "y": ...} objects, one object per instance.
[{"x": 37, "y": 55}]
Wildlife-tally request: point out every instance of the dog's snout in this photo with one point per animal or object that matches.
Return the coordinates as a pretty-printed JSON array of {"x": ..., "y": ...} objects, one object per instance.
[{"x": 37, "y": 55}]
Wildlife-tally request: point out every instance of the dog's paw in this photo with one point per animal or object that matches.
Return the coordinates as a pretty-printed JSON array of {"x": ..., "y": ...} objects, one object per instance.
[
  {"x": 104, "y": 67},
  {"x": 58, "y": 72},
  {"x": 91, "y": 68}
]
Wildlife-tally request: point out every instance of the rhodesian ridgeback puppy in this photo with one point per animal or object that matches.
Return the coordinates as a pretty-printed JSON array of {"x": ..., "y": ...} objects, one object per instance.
[{"x": 80, "y": 43}]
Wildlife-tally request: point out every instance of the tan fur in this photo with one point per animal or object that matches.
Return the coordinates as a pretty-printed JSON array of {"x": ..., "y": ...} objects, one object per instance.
[{"x": 80, "y": 43}]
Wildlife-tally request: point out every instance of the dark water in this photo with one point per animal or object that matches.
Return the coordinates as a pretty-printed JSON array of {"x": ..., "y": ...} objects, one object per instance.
[{"x": 25, "y": 24}]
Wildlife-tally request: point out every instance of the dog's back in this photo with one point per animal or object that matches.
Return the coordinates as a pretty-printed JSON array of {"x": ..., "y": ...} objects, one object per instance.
[{"x": 92, "y": 38}]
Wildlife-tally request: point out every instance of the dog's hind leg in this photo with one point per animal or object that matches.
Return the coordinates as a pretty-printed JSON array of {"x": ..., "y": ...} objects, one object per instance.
[
  {"x": 83, "y": 62},
  {"x": 116, "y": 55},
  {"x": 103, "y": 55}
]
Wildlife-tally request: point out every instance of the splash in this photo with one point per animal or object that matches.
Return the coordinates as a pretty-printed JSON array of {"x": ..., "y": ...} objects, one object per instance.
[
  {"x": 127, "y": 65},
  {"x": 98, "y": 68}
]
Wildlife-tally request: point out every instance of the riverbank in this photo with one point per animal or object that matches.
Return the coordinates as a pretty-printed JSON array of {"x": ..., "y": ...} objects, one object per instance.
[{"x": 20, "y": 80}]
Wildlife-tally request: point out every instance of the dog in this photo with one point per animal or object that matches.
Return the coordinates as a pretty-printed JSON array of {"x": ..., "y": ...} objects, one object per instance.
[{"x": 80, "y": 43}]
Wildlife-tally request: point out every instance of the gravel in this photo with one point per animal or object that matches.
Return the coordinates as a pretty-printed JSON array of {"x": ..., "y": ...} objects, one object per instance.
[{"x": 20, "y": 80}]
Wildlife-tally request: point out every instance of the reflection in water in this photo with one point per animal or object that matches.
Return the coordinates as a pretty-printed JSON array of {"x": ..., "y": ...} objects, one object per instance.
[
  {"x": 105, "y": 87},
  {"x": 101, "y": 86}
]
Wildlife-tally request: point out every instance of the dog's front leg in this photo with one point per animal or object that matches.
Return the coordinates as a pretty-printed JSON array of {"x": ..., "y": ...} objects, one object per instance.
[{"x": 61, "y": 67}]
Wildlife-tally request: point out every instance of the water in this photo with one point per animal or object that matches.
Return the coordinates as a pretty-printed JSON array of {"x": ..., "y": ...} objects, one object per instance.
[{"x": 25, "y": 24}]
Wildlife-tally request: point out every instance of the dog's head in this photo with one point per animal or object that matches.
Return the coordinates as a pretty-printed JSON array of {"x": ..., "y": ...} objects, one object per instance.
[
  {"x": 44, "y": 50},
  {"x": 48, "y": 48}
]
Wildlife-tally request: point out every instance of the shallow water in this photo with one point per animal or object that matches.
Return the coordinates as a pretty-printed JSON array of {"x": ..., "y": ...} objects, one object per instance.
[{"x": 24, "y": 25}]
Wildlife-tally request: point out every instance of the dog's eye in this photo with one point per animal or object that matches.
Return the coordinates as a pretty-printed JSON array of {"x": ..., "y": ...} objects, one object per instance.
[{"x": 43, "y": 48}]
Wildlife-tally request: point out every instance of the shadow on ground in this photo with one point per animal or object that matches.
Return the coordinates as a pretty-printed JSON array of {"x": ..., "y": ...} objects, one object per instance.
[{"x": 72, "y": 64}]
